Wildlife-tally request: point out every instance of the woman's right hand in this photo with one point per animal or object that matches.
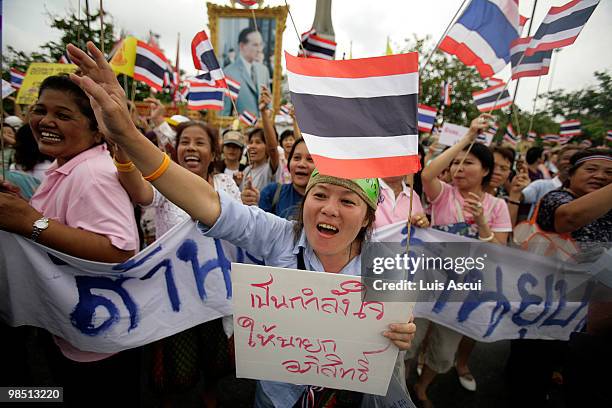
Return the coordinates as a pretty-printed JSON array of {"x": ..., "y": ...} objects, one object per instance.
[
  {"x": 479, "y": 124},
  {"x": 105, "y": 94}
]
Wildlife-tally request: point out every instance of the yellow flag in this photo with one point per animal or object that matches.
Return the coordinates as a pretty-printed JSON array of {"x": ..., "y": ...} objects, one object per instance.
[
  {"x": 124, "y": 59},
  {"x": 36, "y": 73},
  {"x": 389, "y": 51}
]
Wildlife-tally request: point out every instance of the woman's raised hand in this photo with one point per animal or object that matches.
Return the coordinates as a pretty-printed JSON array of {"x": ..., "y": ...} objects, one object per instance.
[
  {"x": 479, "y": 124},
  {"x": 107, "y": 97}
]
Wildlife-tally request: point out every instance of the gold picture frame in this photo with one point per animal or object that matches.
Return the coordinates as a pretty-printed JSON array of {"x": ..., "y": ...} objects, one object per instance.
[{"x": 279, "y": 15}]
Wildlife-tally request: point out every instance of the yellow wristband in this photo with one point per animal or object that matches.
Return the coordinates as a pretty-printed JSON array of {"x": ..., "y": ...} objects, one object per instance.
[
  {"x": 124, "y": 167},
  {"x": 160, "y": 170}
]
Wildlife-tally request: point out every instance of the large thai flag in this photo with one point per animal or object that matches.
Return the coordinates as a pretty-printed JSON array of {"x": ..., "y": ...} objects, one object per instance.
[
  {"x": 426, "y": 118},
  {"x": 481, "y": 37},
  {"x": 561, "y": 26},
  {"x": 204, "y": 57},
  {"x": 489, "y": 99},
  {"x": 204, "y": 94},
  {"x": 570, "y": 128},
  {"x": 358, "y": 117},
  {"x": 16, "y": 78},
  {"x": 528, "y": 66},
  {"x": 315, "y": 46},
  {"x": 150, "y": 66}
]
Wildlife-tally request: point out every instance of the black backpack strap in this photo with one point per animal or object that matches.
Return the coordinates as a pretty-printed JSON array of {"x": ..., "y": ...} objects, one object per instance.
[
  {"x": 276, "y": 197},
  {"x": 300, "y": 260}
]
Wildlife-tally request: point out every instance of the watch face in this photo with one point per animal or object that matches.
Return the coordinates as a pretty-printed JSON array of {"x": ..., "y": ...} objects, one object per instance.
[{"x": 41, "y": 224}]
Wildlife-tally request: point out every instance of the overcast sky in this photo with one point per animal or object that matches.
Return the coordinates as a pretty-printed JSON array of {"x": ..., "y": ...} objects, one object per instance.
[{"x": 367, "y": 23}]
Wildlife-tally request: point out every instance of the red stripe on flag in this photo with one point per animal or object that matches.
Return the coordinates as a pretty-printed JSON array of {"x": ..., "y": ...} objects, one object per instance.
[
  {"x": 557, "y": 10},
  {"x": 489, "y": 89},
  {"x": 355, "y": 68},
  {"x": 465, "y": 54},
  {"x": 550, "y": 45},
  {"x": 363, "y": 168}
]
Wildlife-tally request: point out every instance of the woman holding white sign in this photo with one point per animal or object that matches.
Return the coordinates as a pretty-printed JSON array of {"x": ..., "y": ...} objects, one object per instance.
[{"x": 333, "y": 222}]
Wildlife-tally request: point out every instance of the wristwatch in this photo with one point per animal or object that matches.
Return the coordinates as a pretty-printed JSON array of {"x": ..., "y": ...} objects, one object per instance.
[{"x": 39, "y": 226}]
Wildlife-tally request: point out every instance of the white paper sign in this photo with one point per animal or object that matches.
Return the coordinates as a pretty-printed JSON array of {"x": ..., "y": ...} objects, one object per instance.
[
  {"x": 7, "y": 89},
  {"x": 451, "y": 133},
  {"x": 306, "y": 327}
]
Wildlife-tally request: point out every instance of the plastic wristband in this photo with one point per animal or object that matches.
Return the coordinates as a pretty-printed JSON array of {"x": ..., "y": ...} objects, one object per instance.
[
  {"x": 160, "y": 170},
  {"x": 124, "y": 167},
  {"x": 487, "y": 239}
]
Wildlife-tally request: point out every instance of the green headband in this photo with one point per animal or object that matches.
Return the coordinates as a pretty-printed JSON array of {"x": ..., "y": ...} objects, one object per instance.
[{"x": 367, "y": 188}]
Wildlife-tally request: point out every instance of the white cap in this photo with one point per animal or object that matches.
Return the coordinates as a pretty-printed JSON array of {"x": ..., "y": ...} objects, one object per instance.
[{"x": 13, "y": 121}]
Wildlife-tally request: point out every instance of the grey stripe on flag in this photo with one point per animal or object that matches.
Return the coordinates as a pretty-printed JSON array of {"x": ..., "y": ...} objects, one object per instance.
[{"x": 330, "y": 116}]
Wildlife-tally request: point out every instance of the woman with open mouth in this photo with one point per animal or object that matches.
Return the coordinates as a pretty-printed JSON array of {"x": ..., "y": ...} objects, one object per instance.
[{"x": 332, "y": 224}]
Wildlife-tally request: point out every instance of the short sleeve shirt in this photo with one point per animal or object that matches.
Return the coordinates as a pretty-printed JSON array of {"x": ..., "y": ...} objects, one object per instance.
[
  {"x": 391, "y": 209},
  {"x": 261, "y": 175},
  {"x": 447, "y": 208}
]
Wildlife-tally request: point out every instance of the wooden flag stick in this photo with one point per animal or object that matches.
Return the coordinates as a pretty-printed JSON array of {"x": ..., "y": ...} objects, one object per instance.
[
  {"x": 411, "y": 184},
  {"x": 101, "y": 28},
  {"x": 296, "y": 31}
]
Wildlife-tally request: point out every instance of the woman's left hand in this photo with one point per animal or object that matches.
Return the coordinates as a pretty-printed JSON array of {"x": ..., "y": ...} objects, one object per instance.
[
  {"x": 16, "y": 215},
  {"x": 420, "y": 220},
  {"x": 401, "y": 334}
]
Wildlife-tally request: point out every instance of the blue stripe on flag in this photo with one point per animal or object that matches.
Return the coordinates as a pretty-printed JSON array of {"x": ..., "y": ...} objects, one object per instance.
[{"x": 574, "y": 20}]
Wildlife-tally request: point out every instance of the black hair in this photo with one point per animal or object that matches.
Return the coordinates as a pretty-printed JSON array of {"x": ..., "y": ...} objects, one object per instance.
[
  {"x": 505, "y": 152},
  {"x": 533, "y": 154},
  {"x": 63, "y": 83},
  {"x": 486, "y": 159},
  {"x": 27, "y": 154},
  {"x": 242, "y": 37},
  {"x": 418, "y": 183},
  {"x": 256, "y": 132},
  {"x": 292, "y": 151},
  {"x": 212, "y": 134}
]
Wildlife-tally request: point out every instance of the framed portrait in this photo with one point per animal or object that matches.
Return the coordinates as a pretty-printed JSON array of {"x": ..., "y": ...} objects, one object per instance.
[{"x": 249, "y": 51}]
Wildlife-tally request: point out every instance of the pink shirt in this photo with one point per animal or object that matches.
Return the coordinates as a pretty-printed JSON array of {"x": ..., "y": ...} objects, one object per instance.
[
  {"x": 85, "y": 193},
  {"x": 391, "y": 210},
  {"x": 447, "y": 208}
]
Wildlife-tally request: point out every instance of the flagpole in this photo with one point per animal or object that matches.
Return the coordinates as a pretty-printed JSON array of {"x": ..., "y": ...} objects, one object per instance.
[
  {"x": 442, "y": 37},
  {"x": 178, "y": 71},
  {"x": 296, "y": 31},
  {"x": 410, "y": 215},
  {"x": 534, "y": 104},
  {"x": 101, "y": 28},
  {"x": 518, "y": 80}
]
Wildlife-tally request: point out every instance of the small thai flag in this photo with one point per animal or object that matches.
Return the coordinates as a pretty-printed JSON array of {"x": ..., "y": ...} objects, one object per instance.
[
  {"x": 609, "y": 136},
  {"x": 315, "y": 46},
  {"x": 150, "y": 66},
  {"x": 427, "y": 118},
  {"x": 586, "y": 143},
  {"x": 489, "y": 99},
  {"x": 510, "y": 137},
  {"x": 233, "y": 87},
  {"x": 531, "y": 136},
  {"x": 570, "y": 128},
  {"x": 204, "y": 94},
  {"x": 204, "y": 57},
  {"x": 551, "y": 138},
  {"x": 285, "y": 110},
  {"x": 248, "y": 118},
  {"x": 16, "y": 78}
]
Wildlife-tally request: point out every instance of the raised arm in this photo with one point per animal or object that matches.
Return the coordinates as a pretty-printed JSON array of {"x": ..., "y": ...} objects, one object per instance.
[
  {"x": 190, "y": 192},
  {"x": 268, "y": 127},
  {"x": 297, "y": 133},
  {"x": 584, "y": 210},
  {"x": 429, "y": 176},
  {"x": 139, "y": 190}
]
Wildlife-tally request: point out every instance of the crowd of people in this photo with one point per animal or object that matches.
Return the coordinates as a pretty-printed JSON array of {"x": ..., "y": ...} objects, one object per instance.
[{"x": 86, "y": 177}]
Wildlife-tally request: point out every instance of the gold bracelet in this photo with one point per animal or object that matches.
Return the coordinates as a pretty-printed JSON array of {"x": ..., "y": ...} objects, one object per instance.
[
  {"x": 487, "y": 239},
  {"x": 129, "y": 166},
  {"x": 160, "y": 170}
]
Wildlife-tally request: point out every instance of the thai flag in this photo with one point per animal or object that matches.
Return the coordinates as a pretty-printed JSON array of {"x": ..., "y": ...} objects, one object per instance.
[
  {"x": 285, "y": 110},
  {"x": 150, "y": 66},
  {"x": 426, "y": 118},
  {"x": 233, "y": 87},
  {"x": 64, "y": 59},
  {"x": 494, "y": 81},
  {"x": 586, "y": 143},
  {"x": 609, "y": 136},
  {"x": 358, "y": 117},
  {"x": 551, "y": 138},
  {"x": 247, "y": 3},
  {"x": 204, "y": 58},
  {"x": 570, "y": 128},
  {"x": 248, "y": 118},
  {"x": 445, "y": 93},
  {"x": 316, "y": 46},
  {"x": 530, "y": 66},
  {"x": 481, "y": 37},
  {"x": 171, "y": 77},
  {"x": 16, "y": 78},
  {"x": 531, "y": 136},
  {"x": 204, "y": 94},
  {"x": 561, "y": 26},
  {"x": 510, "y": 137},
  {"x": 487, "y": 99},
  {"x": 493, "y": 129}
]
